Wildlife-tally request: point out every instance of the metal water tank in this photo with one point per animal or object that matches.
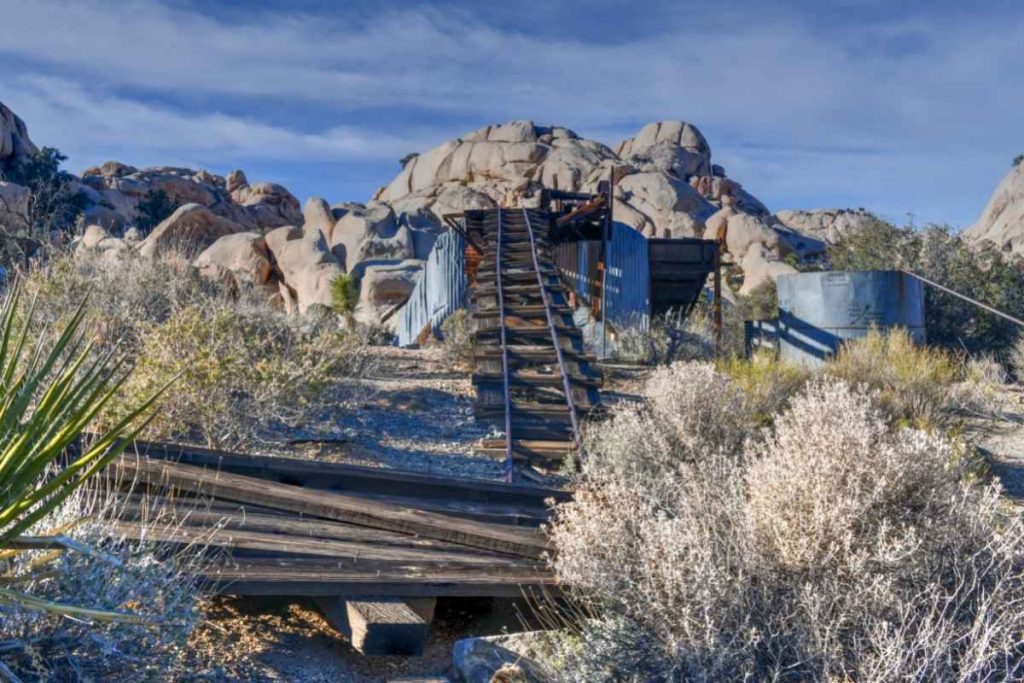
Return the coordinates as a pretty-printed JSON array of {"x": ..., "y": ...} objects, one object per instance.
[{"x": 818, "y": 311}]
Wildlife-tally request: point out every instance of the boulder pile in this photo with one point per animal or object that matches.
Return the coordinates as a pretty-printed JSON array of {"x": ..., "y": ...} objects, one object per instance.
[{"x": 256, "y": 235}]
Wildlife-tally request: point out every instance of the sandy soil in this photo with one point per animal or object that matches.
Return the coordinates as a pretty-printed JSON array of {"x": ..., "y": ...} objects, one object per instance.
[{"x": 1003, "y": 443}]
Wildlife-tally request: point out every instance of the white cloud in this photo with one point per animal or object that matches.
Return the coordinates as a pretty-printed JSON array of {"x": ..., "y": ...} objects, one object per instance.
[
  {"x": 922, "y": 95},
  {"x": 90, "y": 126}
]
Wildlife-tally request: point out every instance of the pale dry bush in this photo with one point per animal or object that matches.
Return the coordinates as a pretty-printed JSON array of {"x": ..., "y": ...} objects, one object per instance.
[
  {"x": 122, "y": 575},
  {"x": 667, "y": 339},
  {"x": 692, "y": 409},
  {"x": 243, "y": 373},
  {"x": 457, "y": 338},
  {"x": 835, "y": 548}
]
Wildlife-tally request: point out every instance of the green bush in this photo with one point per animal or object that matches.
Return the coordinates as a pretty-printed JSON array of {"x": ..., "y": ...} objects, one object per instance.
[
  {"x": 152, "y": 209},
  {"x": 239, "y": 372},
  {"x": 980, "y": 272},
  {"x": 344, "y": 294},
  {"x": 54, "y": 204}
]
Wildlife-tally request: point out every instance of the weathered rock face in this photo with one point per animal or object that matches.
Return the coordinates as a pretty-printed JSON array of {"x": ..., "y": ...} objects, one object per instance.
[
  {"x": 241, "y": 259},
  {"x": 827, "y": 225},
  {"x": 370, "y": 233},
  {"x": 1002, "y": 221},
  {"x": 14, "y": 140},
  {"x": 674, "y": 146},
  {"x": 189, "y": 230},
  {"x": 117, "y": 189},
  {"x": 14, "y": 206},
  {"x": 384, "y": 286},
  {"x": 513, "y": 658},
  {"x": 305, "y": 263}
]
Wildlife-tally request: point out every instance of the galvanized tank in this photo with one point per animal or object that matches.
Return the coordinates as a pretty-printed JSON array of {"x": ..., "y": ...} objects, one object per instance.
[{"x": 819, "y": 311}]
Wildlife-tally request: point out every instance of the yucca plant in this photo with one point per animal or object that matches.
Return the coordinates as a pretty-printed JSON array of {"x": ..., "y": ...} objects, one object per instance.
[{"x": 51, "y": 390}]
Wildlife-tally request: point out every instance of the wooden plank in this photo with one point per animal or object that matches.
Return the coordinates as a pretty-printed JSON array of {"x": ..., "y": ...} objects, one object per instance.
[
  {"x": 356, "y": 552},
  {"x": 319, "y": 577},
  {"x": 339, "y": 507},
  {"x": 292, "y": 526},
  {"x": 341, "y": 477},
  {"x": 377, "y": 626}
]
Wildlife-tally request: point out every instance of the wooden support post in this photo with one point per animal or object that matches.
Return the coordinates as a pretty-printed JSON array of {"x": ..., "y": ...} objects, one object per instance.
[
  {"x": 381, "y": 626},
  {"x": 716, "y": 305}
]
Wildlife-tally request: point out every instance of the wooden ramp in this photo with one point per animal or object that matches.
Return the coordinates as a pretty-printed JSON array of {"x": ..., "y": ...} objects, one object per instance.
[
  {"x": 369, "y": 544},
  {"x": 534, "y": 382}
]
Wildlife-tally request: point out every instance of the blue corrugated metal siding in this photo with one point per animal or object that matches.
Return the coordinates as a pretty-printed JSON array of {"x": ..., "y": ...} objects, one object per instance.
[
  {"x": 628, "y": 298},
  {"x": 439, "y": 293}
]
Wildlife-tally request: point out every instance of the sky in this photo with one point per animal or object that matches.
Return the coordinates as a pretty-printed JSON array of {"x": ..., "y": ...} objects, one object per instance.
[{"x": 912, "y": 109}]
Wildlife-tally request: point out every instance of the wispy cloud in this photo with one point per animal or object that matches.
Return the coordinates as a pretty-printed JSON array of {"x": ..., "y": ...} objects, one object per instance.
[{"x": 794, "y": 103}]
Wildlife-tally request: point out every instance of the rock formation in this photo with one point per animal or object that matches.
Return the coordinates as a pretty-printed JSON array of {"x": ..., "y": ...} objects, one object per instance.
[
  {"x": 257, "y": 235},
  {"x": 14, "y": 140},
  {"x": 114, "y": 190},
  {"x": 1002, "y": 221},
  {"x": 827, "y": 225}
]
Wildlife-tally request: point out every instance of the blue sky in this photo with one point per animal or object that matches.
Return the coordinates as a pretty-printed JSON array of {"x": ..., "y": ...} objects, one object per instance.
[{"x": 908, "y": 107}]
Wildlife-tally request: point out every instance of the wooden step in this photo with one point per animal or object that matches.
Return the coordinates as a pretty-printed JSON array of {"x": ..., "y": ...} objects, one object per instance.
[{"x": 533, "y": 378}]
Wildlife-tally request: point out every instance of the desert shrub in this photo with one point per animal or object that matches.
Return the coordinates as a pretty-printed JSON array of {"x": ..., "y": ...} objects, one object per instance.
[
  {"x": 54, "y": 205},
  {"x": 124, "y": 297},
  {"x": 668, "y": 338},
  {"x": 766, "y": 382},
  {"x": 457, "y": 338},
  {"x": 344, "y": 294},
  {"x": 915, "y": 384},
  {"x": 152, "y": 209},
  {"x": 835, "y": 548},
  {"x": 238, "y": 372},
  {"x": 692, "y": 409},
  {"x": 1017, "y": 359},
  {"x": 983, "y": 273},
  {"x": 118, "y": 575},
  {"x": 1018, "y": 159}
]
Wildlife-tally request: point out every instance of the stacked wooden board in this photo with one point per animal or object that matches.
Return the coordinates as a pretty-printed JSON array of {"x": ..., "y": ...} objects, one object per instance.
[{"x": 367, "y": 537}]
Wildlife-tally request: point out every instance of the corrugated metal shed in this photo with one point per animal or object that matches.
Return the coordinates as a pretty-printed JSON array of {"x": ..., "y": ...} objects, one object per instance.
[
  {"x": 440, "y": 291},
  {"x": 645, "y": 276},
  {"x": 628, "y": 294}
]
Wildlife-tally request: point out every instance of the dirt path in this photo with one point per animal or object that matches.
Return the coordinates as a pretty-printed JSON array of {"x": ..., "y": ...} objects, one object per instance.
[{"x": 1003, "y": 441}]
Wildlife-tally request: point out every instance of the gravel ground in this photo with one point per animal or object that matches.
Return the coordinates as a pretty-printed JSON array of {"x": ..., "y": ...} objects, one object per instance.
[{"x": 413, "y": 411}]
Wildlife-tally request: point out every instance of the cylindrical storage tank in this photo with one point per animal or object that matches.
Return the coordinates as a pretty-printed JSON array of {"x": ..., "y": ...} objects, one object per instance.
[{"x": 819, "y": 311}]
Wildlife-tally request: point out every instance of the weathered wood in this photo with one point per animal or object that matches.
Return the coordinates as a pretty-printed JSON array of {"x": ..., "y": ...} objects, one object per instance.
[
  {"x": 353, "y": 478},
  {"x": 378, "y": 626},
  {"x": 320, "y": 577},
  {"x": 339, "y": 507},
  {"x": 355, "y": 552}
]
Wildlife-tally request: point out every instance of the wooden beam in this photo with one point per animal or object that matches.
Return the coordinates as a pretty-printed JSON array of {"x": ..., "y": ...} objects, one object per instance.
[
  {"x": 315, "y": 577},
  {"x": 342, "y": 477},
  {"x": 343, "y": 551},
  {"x": 379, "y": 626},
  {"x": 522, "y": 541}
]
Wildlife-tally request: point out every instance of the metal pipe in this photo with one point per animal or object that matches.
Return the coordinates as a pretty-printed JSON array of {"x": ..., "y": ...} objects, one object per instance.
[
  {"x": 947, "y": 290},
  {"x": 566, "y": 385},
  {"x": 507, "y": 393}
]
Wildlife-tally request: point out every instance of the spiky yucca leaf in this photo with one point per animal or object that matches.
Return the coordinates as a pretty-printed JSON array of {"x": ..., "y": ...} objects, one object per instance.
[{"x": 49, "y": 393}]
